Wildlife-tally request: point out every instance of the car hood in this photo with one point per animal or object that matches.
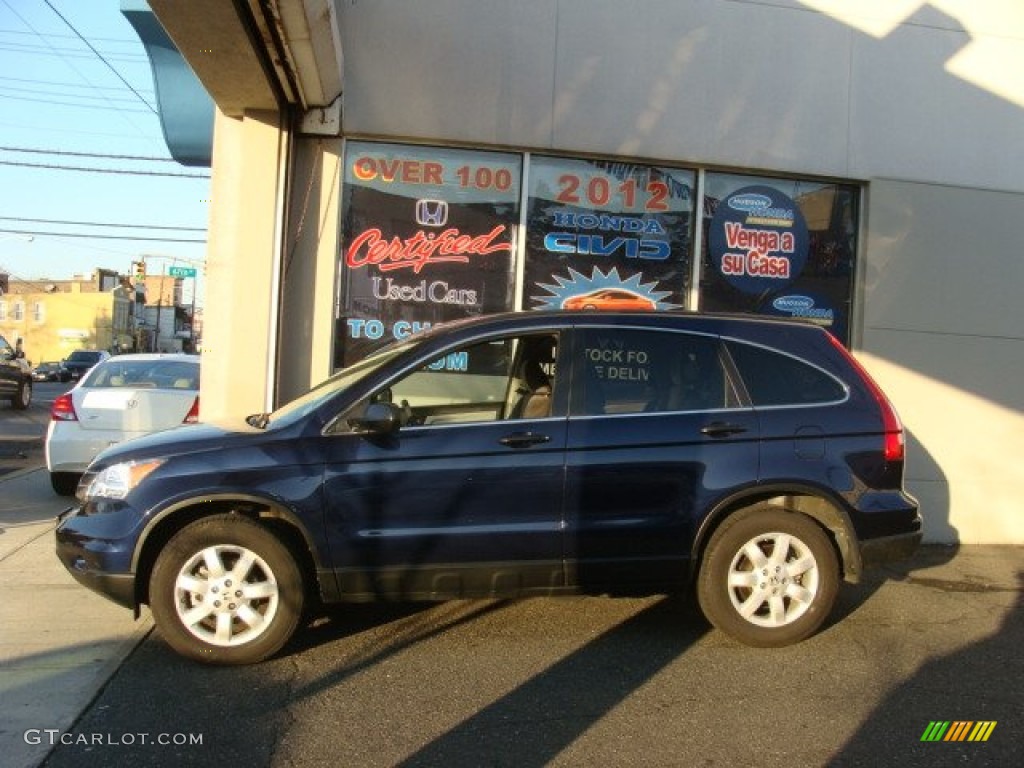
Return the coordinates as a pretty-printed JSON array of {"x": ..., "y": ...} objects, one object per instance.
[{"x": 189, "y": 438}]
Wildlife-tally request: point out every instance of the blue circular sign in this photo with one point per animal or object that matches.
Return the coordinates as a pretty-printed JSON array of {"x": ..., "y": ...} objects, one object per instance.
[{"x": 758, "y": 239}]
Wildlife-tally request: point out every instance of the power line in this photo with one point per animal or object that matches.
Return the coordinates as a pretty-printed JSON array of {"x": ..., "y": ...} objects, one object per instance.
[
  {"x": 62, "y": 84},
  {"x": 30, "y": 49},
  {"x": 101, "y": 237},
  {"x": 109, "y": 106},
  {"x": 124, "y": 172},
  {"x": 118, "y": 40},
  {"x": 103, "y": 224},
  {"x": 69, "y": 63},
  {"x": 40, "y": 92},
  {"x": 100, "y": 56},
  {"x": 30, "y": 150}
]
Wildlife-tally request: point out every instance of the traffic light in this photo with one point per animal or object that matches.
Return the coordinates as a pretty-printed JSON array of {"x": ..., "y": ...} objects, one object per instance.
[{"x": 139, "y": 269}]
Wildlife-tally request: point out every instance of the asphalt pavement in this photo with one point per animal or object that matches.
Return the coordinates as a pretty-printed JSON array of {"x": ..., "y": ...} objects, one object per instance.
[{"x": 537, "y": 682}]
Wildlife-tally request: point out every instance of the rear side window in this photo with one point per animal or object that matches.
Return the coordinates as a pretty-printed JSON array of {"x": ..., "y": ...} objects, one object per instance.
[
  {"x": 637, "y": 371},
  {"x": 776, "y": 379}
]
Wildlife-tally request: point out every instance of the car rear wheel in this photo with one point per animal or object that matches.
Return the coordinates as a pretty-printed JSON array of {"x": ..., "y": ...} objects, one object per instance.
[
  {"x": 769, "y": 577},
  {"x": 64, "y": 483},
  {"x": 225, "y": 590},
  {"x": 23, "y": 397}
]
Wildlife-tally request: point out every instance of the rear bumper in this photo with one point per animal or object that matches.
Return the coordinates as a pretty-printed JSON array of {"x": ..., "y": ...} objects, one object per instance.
[{"x": 889, "y": 549}]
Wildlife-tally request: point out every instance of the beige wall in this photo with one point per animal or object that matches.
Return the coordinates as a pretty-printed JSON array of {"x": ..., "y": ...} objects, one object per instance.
[
  {"x": 239, "y": 324},
  {"x": 308, "y": 275}
]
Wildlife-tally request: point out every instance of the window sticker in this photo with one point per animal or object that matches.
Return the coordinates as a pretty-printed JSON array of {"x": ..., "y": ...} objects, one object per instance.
[
  {"x": 607, "y": 235},
  {"x": 428, "y": 236}
]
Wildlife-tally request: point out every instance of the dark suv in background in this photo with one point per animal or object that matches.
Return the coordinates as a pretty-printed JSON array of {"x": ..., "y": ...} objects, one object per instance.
[
  {"x": 15, "y": 377},
  {"x": 523, "y": 454},
  {"x": 81, "y": 361}
]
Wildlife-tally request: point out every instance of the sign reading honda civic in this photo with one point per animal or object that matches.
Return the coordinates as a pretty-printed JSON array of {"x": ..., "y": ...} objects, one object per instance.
[
  {"x": 758, "y": 239},
  {"x": 428, "y": 237},
  {"x": 607, "y": 235}
]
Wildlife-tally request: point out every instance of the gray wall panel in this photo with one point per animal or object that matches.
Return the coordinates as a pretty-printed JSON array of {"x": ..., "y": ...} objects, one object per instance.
[
  {"x": 943, "y": 260},
  {"x": 738, "y": 84},
  {"x": 913, "y": 119},
  {"x": 477, "y": 71}
]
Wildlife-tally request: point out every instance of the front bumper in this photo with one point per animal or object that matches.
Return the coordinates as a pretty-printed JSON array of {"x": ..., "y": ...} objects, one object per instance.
[{"x": 101, "y": 563}]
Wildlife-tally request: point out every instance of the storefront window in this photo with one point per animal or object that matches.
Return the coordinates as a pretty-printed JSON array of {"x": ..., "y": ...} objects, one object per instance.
[
  {"x": 428, "y": 236},
  {"x": 432, "y": 234},
  {"x": 607, "y": 235},
  {"x": 781, "y": 247}
]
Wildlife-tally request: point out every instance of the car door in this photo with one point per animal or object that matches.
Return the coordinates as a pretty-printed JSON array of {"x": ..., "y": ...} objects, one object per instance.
[
  {"x": 656, "y": 433},
  {"x": 465, "y": 497},
  {"x": 10, "y": 370}
]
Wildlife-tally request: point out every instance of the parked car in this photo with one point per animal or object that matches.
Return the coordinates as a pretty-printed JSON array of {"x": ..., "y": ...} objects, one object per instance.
[
  {"x": 15, "y": 377},
  {"x": 81, "y": 360},
  {"x": 535, "y": 453},
  {"x": 51, "y": 371},
  {"x": 609, "y": 299},
  {"x": 122, "y": 397}
]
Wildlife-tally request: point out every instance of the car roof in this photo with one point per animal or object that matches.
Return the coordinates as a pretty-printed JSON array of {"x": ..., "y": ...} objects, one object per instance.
[
  {"x": 708, "y": 322},
  {"x": 147, "y": 357}
]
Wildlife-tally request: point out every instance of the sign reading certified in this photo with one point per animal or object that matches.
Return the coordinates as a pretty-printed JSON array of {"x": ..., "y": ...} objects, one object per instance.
[
  {"x": 758, "y": 239},
  {"x": 428, "y": 236}
]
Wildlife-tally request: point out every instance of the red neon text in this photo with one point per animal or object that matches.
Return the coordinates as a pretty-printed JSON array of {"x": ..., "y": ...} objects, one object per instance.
[{"x": 371, "y": 248}]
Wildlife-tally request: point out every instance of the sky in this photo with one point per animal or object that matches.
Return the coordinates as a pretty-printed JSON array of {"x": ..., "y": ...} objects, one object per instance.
[{"x": 58, "y": 97}]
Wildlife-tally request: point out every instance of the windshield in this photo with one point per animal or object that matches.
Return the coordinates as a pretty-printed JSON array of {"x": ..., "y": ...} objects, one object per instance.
[
  {"x": 83, "y": 357},
  {"x": 144, "y": 374},
  {"x": 309, "y": 402}
]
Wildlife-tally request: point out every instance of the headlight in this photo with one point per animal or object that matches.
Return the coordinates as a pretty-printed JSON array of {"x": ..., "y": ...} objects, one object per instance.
[{"x": 118, "y": 480}]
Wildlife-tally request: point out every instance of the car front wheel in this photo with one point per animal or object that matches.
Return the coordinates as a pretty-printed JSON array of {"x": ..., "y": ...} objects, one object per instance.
[
  {"x": 225, "y": 590},
  {"x": 769, "y": 577}
]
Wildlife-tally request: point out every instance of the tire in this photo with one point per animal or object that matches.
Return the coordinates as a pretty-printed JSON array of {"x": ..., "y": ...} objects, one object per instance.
[
  {"x": 23, "y": 397},
  {"x": 64, "y": 483},
  {"x": 769, "y": 577},
  {"x": 265, "y": 593}
]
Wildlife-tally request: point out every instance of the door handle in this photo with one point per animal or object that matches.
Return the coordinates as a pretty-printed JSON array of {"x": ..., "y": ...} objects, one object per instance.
[
  {"x": 523, "y": 439},
  {"x": 722, "y": 429}
]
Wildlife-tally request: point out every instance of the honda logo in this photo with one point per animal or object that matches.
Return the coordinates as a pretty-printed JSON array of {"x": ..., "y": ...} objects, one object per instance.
[{"x": 431, "y": 213}]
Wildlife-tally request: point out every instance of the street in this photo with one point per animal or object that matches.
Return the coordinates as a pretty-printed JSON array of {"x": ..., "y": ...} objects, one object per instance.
[
  {"x": 22, "y": 432},
  {"x": 561, "y": 681}
]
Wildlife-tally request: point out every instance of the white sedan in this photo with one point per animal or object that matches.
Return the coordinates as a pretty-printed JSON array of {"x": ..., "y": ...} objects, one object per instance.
[{"x": 122, "y": 397}]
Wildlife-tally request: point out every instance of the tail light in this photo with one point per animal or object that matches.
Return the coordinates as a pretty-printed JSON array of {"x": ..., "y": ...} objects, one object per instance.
[
  {"x": 192, "y": 416},
  {"x": 63, "y": 409},
  {"x": 894, "y": 445}
]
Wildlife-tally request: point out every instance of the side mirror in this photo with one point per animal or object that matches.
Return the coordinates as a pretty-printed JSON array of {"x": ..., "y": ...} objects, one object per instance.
[{"x": 378, "y": 419}]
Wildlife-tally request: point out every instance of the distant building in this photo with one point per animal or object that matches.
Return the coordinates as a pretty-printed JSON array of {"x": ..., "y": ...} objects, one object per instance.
[
  {"x": 56, "y": 317},
  {"x": 105, "y": 311}
]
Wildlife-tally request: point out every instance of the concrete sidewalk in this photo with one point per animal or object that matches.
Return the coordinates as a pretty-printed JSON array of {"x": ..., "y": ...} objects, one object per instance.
[{"x": 59, "y": 642}]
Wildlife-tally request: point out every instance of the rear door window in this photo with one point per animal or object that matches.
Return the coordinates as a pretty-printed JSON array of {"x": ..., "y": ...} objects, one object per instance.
[
  {"x": 626, "y": 371},
  {"x": 775, "y": 379}
]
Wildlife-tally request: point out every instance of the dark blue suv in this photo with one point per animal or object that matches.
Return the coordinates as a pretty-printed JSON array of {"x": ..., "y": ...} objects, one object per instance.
[{"x": 520, "y": 454}]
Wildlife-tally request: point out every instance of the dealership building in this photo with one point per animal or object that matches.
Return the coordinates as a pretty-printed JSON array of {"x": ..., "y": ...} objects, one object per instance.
[{"x": 379, "y": 167}]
